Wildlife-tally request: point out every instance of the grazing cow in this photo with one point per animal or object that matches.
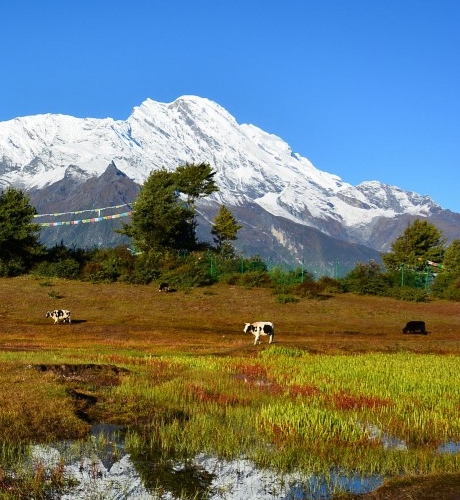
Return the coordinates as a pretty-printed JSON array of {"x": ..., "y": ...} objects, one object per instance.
[
  {"x": 59, "y": 315},
  {"x": 415, "y": 327},
  {"x": 164, "y": 287},
  {"x": 260, "y": 328}
]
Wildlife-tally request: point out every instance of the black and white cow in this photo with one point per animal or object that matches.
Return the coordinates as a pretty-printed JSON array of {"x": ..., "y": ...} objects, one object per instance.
[
  {"x": 59, "y": 315},
  {"x": 164, "y": 287},
  {"x": 260, "y": 328}
]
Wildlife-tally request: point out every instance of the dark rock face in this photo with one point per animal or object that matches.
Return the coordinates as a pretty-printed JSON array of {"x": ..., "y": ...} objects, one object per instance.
[
  {"x": 319, "y": 246},
  {"x": 75, "y": 193}
]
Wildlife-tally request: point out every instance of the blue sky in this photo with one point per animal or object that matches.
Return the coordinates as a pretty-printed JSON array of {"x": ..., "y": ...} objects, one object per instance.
[{"x": 365, "y": 89}]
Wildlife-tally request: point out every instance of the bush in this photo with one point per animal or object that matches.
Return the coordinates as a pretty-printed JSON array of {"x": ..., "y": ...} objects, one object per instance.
[
  {"x": 453, "y": 291},
  {"x": 12, "y": 267},
  {"x": 66, "y": 268},
  {"x": 255, "y": 279},
  {"x": 330, "y": 285},
  {"x": 409, "y": 294},
  {"x": 367, "y": 279},
  {"x": 188, "y": 275},
  {"x": 286, "y": 299},
  {"x": 309, "y": 290},
  {"x": 109, "y": 265}
]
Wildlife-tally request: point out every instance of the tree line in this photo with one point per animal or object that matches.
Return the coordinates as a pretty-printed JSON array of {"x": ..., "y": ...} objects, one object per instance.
[{"x": 164, "y": 245}]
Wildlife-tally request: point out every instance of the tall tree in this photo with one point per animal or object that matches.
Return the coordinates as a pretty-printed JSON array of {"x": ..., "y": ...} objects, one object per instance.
[
  {"x": 195, "y": 181},
  {"x": 420, "y": 242},
  {"x": 224, "y": 230},
  {"x": 447, "y": 277},
  {"x": 160, "y": 219},
  {"x": 451, "y": 262},
  {"x": 19, "y": 236}
]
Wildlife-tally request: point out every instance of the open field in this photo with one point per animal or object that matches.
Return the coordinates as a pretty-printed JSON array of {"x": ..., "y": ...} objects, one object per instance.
[
  {"x": 145, "y": 356},
  {"x": 210, "y": 320}
]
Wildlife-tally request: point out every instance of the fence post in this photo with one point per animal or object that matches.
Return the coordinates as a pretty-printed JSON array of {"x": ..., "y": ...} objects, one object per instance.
[{"x": 211, "y": 270}]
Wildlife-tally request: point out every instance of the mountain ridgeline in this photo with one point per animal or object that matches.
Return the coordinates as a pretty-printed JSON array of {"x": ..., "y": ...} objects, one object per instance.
[{"x": 85, "y": 170}]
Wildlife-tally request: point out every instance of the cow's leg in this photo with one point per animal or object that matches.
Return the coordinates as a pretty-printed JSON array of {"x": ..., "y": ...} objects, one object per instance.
[
  {"x": 256, "y": 339},
  {"x": 271, "y": 339}
]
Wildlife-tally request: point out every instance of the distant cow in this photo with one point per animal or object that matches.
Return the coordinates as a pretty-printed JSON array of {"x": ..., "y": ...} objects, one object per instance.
[
  {"x": 59, "y": 315},
  {"x": 164, "y": 287},
  {"x": 260, "y": 328},
  {"x": 415, "y": 327}
]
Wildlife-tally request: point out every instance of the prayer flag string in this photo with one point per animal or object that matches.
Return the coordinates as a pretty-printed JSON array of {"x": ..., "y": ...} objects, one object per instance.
[
  {"x": 99, "y": 210},
  {"x": 84, "y": 221}
]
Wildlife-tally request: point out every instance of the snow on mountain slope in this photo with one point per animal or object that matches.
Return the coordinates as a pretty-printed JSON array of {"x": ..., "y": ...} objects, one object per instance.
[{"x": 252, "y": 165}]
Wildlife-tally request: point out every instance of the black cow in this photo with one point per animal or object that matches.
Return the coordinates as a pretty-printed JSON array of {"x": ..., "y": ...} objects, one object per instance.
[
  {"x": 415, "y": 327},
  {"x": 164, "y": 287}
]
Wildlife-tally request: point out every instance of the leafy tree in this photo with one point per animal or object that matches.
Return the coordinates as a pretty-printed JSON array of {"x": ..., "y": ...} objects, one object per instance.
[
  {"x": 19, "y": 238},
  {"x": 160, "y": 221},
  {"x": 447, "y": 282},
  {"x": 195, "y": 181},
  {"x": 451, "y": 262},
  {"x": 224, "y": 230},
  {"x": 421, "y": 241}
]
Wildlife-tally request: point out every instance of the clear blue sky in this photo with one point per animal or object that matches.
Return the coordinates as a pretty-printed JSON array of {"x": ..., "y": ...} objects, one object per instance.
[{"x": 365, "y": 89}]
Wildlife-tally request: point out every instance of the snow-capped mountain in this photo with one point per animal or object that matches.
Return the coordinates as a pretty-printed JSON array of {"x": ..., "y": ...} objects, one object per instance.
[{"x": 261, "y": 179}]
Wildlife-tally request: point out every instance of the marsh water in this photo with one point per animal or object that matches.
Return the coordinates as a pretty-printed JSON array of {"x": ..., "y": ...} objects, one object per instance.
[{"x": 102, "y": 469}]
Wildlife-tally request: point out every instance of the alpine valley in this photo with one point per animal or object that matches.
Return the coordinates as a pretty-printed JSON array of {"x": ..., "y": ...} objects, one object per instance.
[{"x": 75, "y": 169}]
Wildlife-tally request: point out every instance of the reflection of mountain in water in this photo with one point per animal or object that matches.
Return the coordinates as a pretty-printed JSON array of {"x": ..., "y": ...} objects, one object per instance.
[
  {"x": 103, "y": 469},
  {"x": 203, "y": 477}
]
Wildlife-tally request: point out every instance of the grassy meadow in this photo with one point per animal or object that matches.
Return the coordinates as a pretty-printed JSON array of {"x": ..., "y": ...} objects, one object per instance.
[{"x": 341, "y": 388}]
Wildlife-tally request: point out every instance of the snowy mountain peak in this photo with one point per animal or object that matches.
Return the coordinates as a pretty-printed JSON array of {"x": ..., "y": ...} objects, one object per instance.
[{"x": 252, "y": 166}]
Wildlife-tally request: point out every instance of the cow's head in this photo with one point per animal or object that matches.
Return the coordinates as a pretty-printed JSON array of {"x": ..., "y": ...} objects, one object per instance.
[{"x": 248, "y": 328}]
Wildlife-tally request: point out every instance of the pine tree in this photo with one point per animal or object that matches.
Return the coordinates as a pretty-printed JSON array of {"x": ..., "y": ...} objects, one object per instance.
[
  {"x": 19, "y": 236},
  {"x": 224, "y": 230}
]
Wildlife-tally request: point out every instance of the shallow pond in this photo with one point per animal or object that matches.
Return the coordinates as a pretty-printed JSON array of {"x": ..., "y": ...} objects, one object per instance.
[{"x": 102, "y": 469}]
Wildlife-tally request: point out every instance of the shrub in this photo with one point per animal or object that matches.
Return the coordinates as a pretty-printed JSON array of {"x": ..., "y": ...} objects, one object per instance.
[
  {"x": 309, "y": 290},
  {"x": 255, "y": 279},
  {"x": 409, "y": 294},
  {"x": 109, "y": 265},
  {"x": 12, "y": 267},
  {"x": 66, "y": 268},
  {"x": 286, "y": 299},
  {"x": 188, "y": 276},
  {"x": 367, "y": 279},
  {"x": 330, "y": 285}
]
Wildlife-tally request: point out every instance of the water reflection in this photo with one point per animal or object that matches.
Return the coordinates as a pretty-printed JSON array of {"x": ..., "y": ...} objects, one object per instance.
[{"x": 103, "y": 469}]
